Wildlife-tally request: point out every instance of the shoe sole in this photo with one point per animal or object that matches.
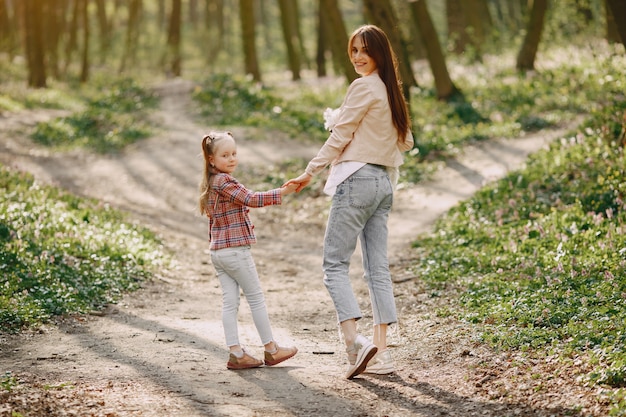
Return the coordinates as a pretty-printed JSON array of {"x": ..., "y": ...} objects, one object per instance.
[
  {"x": 272, "y": 363},
  {"x": 367, "y": 356},
  {"x": 237, "y": 367}
]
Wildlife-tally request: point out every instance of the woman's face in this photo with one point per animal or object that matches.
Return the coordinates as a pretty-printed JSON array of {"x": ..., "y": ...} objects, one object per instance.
[
  {"x": 363, "y": 63},
  {"x": 225, "y": 155}
]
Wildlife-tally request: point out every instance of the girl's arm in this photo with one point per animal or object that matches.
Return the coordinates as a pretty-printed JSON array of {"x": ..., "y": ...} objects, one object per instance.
[{"x": 233, "y": 191}]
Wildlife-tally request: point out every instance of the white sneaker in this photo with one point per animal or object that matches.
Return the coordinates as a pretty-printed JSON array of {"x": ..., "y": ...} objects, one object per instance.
[
  {"x": 365, "y": 350},
  {"x": 381, "y": 364}
]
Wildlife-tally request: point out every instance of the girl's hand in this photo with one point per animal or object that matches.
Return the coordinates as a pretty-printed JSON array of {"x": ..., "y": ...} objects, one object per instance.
[
  {"x": 288, "y": 188},
  {"x": 302, "y": 181}
]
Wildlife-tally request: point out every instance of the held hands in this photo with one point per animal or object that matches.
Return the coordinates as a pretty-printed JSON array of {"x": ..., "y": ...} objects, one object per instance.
[
  {"x": 300, "y": 182},
  {"x": 288, "y": 188}
]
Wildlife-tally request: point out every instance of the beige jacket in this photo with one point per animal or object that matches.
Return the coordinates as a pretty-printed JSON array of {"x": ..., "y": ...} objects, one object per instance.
[{"x": 364, "y": 130}]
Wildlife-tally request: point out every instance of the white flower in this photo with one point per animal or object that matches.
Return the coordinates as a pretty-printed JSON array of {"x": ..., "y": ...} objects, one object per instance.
[{"x": 330, "y": 118}]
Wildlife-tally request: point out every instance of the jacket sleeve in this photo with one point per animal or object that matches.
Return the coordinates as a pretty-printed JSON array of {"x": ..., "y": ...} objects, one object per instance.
[
  {"x": 355, "y": 105},
  {"x": 407, "y": 143},
  {"x": 235, "y": 192}
]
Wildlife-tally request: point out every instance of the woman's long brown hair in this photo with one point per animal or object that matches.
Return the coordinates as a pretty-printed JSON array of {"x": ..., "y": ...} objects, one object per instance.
[{"x": 380, "y": 50}]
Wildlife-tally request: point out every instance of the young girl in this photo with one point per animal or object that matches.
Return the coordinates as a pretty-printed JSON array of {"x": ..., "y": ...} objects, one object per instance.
[
  {"x": 371, "y": 130},
  {"x": 226, "y": 203}
]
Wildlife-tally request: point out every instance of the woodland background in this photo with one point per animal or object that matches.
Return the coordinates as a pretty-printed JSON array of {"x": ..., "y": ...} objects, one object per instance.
[
  {"x": 536, "y": 262},
  {"x": 67, "y": 39}
]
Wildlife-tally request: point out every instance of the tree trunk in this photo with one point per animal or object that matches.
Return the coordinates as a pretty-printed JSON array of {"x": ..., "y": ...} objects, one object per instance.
[
  {"x": 33, "y": 28},
  {"x": 72, "y": 43},
  {"x": 7, "y": 30},
  {"x": 103, "y": 27},
  {"x": 382, "y": 15},
  {"x": 84, "y": 73},
  {"x": 338, "y": 38},
  {"x": 443, "y": 83},
  {"x": 456, "y": 26},
  {"x": 474, "y": 26},
  {"x": 52, "y": 12},
  {"x": 612, "y": 34},
  {"x": 528, "y": 52},
  {"x": 214, "y": 20},
  {"x": 618, "y": 9},
  {"x": 173, "y": 39},
  {"x": 130, "y": 45},
  {"x": 193, "y": 13},
  {"x": 289, "y": 21},
  {"x": 251, "y": 62},
  {"x": 322, "y": 43}
]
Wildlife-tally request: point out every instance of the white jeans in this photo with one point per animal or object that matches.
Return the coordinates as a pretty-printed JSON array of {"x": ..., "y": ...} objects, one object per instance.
[{"x": 235, "y": 269}]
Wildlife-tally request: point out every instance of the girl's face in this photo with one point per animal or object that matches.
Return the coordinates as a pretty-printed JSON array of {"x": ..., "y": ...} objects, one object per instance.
[
  {"x": 363, "y": 63},
  {"x": 224, "y": 157}
]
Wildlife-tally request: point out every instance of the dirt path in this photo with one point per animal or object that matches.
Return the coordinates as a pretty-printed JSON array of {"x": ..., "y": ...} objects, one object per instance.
[{"x": 160, "y": 352}]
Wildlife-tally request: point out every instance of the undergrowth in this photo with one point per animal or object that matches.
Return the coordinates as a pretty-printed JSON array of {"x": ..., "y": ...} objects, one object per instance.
[
  {"x": 60, "y": 254},
  {"x": 541, "y": 254},
  {"x": 114, "y": 117}
]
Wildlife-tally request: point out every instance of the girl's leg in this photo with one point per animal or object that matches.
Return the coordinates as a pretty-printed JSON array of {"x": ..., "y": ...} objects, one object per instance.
[
  {"x": 243, "y": 270},
  {"x": 230, "y": 303},
  {"x": 236, "y": 270}
]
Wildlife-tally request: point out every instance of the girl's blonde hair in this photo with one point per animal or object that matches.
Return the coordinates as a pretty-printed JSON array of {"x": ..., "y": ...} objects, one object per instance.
[
  {"x": 209, "y": 144},
  {"x": 380, "y": 50}
]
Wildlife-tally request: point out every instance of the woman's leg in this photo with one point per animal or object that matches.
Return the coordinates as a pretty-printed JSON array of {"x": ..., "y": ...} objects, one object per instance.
[
  {"x": 380, "y": 336},
  {"x": 343, "y": 228},
  {"x": 376, "y": 264}
]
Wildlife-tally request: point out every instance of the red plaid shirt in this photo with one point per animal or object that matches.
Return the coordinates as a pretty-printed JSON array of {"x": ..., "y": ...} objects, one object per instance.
[{"x": 229, "y": 223}]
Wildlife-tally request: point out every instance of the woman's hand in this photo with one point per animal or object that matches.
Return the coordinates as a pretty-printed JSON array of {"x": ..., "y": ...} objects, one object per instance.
[{"x": 302, "y": 181}]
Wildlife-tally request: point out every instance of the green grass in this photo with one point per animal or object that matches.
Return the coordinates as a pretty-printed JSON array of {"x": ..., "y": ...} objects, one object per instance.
[
  {"x": 60, "y": 254},
  {"x": 540, "y": 256},
  {"x": 113, "y": 117}
]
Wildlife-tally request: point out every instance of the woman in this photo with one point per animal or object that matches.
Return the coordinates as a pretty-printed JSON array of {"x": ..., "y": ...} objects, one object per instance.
[{"x": 369, "y": 134}]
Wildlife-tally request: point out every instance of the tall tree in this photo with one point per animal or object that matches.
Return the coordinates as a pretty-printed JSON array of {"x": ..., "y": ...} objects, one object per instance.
[
  {"x": 612, "y": 34},
  {"x": 132, "y": 33},
  {"x": 71, "y": 45},
  {"x": 53, "y": 13},
  {"x": 33, "y": 30},
  {"x": 103, "y": 27},
  {"x": 457, "y": 34},
  {"x": 338, "y": 37},
  {"x": 214, "y": 21},
  {"x": 290, "y": 21},
  {"x": 173, "y": 39},
  {"x": 251, "y": 61},
  {"x": 322, "y": 43},
  {"x": 382, "y": 14},
  {"x": 7, "y": 29},
  {"x": 528, "y": 51},
  {"x": 618, "y": 9},
  {"x": 84, "y": 73},
  {"x": 443, "y": 83}
]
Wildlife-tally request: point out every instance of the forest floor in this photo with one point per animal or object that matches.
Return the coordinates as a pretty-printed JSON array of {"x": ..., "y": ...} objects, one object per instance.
[{"x": 160, "y": 351}]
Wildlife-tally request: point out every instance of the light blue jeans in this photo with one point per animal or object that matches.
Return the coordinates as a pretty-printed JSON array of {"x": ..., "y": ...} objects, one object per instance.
[
  {"x": 235, "y": 269},
  {"x": 360, "y": 209}
]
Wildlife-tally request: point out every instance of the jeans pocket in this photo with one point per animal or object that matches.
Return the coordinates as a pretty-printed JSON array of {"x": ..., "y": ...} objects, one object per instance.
[{"x": 362, "y": 191}]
